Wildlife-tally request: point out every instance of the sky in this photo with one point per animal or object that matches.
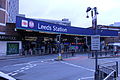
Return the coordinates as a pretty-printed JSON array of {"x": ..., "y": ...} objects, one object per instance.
[{"x": 74, "y": 10}]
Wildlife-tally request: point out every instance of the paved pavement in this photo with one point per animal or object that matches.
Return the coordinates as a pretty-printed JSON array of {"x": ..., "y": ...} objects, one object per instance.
[
  {"x": 27, "y": 56},
  {"x": 10, "y": 57},
  {"x": 77, "y": 67},
  {"x": 51, "y": 56},
  {"x": 42, "y": 56}
]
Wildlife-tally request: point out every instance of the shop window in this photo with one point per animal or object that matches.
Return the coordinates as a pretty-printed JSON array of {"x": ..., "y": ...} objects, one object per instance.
[{"x": 12, "y": 48}]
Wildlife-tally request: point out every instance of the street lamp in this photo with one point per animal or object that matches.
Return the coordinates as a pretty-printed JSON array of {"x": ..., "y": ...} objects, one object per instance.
[
  {"x": 94, "y": 14},
  {"x": 59, "y": 46},
  {"x": 76, "y": 42}
]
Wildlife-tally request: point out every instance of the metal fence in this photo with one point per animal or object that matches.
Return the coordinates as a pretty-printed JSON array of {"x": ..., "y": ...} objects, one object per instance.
[
  {"x": 68, "y": 54},
  {"x": 102, "y": 54},
  {"x": 108, "y": 71}
]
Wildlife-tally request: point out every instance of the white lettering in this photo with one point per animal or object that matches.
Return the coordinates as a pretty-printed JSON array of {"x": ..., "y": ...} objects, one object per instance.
[
  {"x": 42, "y": 27},
  {"x": 60, "y": 29},
  {"x": 53, "y": 28}
]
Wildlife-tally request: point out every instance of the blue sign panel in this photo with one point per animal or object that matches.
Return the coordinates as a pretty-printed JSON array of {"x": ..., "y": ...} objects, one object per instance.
[{"x": 41, "y": 26}]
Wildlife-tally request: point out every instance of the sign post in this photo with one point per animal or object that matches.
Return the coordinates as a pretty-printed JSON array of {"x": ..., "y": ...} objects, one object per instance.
[{"x": 95, "y": 46}]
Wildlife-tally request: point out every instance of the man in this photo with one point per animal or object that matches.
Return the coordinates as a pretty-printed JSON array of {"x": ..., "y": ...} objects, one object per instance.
[{"x": 72, "y": 52}]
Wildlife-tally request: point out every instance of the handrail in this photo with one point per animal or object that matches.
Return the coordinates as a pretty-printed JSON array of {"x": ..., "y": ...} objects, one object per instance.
[
  {"x": 111, "y": 71},
  {"x": 109, "y": 75},
  {"x": 107, "y": 68},
  {"x": 108, "y": 62}
]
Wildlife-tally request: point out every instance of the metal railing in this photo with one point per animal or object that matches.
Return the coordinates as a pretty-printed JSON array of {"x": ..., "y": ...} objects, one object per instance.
[
  {"x": 103, "y": 54},
  {"x": 108, "y": 71},
  {"x": 108, "y": 77},
  {"x": 68, "y": 54}
]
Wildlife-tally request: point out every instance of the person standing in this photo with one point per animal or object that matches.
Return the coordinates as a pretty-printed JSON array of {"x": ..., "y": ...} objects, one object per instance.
[{"x": 72, "y": 52}]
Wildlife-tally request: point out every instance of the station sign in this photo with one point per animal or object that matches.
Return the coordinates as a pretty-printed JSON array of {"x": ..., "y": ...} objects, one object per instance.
[
  {"x": 42, "y": 26},
  {"x": 95, "y": 42},
  {"x": 35, "y": 25}
]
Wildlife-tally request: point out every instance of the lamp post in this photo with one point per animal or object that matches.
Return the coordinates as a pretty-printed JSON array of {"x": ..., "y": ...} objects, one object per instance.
[
  {"x": 94, "y": 14},
  {"x": 76, "y": 42},
  {"x": 59, "y": 46}
]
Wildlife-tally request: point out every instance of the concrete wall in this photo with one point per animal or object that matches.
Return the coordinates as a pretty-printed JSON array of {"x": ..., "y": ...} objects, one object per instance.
[{"x": 3, "y": 46}]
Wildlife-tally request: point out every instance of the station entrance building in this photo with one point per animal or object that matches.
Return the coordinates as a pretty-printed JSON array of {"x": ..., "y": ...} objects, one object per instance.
[{"x": 39, "y": 37}]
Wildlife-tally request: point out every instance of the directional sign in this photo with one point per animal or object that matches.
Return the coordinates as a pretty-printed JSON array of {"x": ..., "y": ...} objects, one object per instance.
[{"x": 95, "y": 42}]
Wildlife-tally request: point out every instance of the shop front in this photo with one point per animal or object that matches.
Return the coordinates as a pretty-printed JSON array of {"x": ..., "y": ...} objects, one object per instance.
[{"x": 9, "y": 45}]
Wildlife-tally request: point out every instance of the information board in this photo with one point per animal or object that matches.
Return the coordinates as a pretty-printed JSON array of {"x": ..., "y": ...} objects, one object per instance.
[{"x": 95, "y": 42}]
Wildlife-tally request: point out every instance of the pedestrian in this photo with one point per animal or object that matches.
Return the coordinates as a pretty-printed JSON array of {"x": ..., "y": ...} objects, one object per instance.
[
  {"x": 85, "y": 48},
  {"x": 30, "y": 51},
  {"x": 62, "y": 51},
  {"x": 72, "y": 52}
]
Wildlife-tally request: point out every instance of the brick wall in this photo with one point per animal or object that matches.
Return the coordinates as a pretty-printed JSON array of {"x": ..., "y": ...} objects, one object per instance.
[
  {"x": 3, "y": 4},
  {"x": 2, "y": 16},
  {"x": 10, "y": 29}
]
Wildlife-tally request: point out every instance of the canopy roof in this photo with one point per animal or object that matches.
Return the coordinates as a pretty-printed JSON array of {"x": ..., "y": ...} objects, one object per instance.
[{"x": 41, "y": 26}]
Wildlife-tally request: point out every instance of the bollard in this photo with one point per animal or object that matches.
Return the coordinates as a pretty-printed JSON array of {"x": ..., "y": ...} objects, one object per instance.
[
  {"x": 116, "y": 68},
  {"x": 59, "y": 56}
]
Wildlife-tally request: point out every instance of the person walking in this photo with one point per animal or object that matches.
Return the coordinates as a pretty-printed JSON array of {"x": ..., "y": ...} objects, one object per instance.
[{"x": 72, "y": 52}]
